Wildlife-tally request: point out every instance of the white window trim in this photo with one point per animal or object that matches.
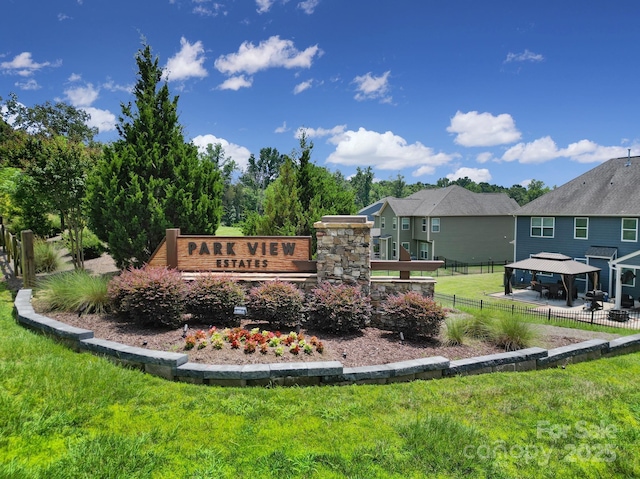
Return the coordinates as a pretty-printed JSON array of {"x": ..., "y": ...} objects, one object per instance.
[
  {"x": 424, "y": 250},
  {"x": 406, "y": 245},
  {"x": 575, "y": 228},
  {"x": 633, "y": 280},
  {"x": 382, "y": 222},
  {"x": 435, "y": 225},
  {"x": 424, "y": 225},
  {"x": 394, "y": 250},
  {"x": 542, "y": 227},
  {"x": 402, "y": 223},
  {"x": 394, "y": 225},
  {"x": 622, "y": 230}
]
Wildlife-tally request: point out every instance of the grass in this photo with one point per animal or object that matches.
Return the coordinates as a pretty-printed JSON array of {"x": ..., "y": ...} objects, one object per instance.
[
  {"x": 73, "y": 291},
  {"x": 46, "y": 256},
  {"x": 229, "y": 231},
  {"x": 70, "y": 415}
]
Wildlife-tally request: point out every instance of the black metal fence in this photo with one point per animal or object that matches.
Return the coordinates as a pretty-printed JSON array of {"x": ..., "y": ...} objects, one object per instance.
[
  {"x": 625, "y": 319},
  {"x": 452, "y": 267}
]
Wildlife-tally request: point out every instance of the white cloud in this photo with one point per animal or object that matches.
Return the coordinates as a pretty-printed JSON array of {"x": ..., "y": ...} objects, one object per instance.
[
  {"x": 484, "y": 157},
  {"x": 30, "y": 84},
  {"x": 63, "y": 16},
  {"x": 187, "y": 63},
  {"x": 370, "y": 87},
  {"x": 483, "y": 129},
  {"x": 478, "y": 175},
  {"x": 271, "y": 53},
  {"x": 586, "y": 151},
  {"x": 24, "y": 65},
  {"x": 264, "y": 5},
  {"x": 113, "y": 87},
  {"x": 308, "y": 6},
  {"x": 384, "y": 151},
  {"x": 538, "y": 151},
  {"x": 526, "y": 56},
  {"x": 334, "y": 132},
  {"x": 82, "y": 96},
  {"x": 238, "y": 153},
  {"x": 74, "y": 77},
  {"x": 235, "y": 83},
  {"x": 104, "y": 120},
  {"x": 282, "y": 129},
  {"x": 300, "y": 87}
]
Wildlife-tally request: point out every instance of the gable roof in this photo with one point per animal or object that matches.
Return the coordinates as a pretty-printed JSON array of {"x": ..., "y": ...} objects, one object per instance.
[
  {"x": 609, "y": 189},
  {"x": 453, "y": 200},
  {"x": 372, "y": 209}
]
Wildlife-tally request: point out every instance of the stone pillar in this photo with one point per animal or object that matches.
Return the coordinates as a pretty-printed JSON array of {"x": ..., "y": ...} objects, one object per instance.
[{"x": 344, "y": 250}]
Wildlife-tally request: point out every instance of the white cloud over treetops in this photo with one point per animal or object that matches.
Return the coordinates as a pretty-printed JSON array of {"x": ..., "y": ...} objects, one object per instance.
[
  {"x": 187, "y": 63},
  {"x": 310, "y": 133},
  {"x": 238, "y": 153},
  {"x": 370, "y": 87},
  {"x": 235, "y": 83},
  {"x": 478, "y": 175},
  {"x": 483, "y": 129},
  {"x": 385, "y": 151},
  {"x": 82, "y": 97}
]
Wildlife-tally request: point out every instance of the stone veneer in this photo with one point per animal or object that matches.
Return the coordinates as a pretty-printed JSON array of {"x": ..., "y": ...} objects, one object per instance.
[{"x": 344, "y": 250}]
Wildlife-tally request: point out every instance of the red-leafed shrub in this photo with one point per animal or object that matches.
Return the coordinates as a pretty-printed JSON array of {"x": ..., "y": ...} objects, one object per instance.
[
  {"x": 213, "y": 298},
  {"x": 149, "y": 296},
  {"x": 414, "y": 314},
  {"x": 339, "y": 308},
  {"x": 278, "y": 302}
]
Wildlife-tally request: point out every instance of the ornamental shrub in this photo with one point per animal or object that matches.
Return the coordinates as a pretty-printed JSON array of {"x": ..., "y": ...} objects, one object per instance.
[
  {"x": 278, "y": 302},
  {"x": 92, "y": 247},
  {"x": 149, "y": 296},
  {"x": 414, "y": 314},
  {"x": 46, "y": 256},
  {"x": 214, "y": 298},
  {"x": 339, "y": 308}
]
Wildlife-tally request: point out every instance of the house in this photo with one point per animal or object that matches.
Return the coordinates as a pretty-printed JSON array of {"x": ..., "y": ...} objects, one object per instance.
[
  {"x": 592, "y": 219},
  {"x": 452, "y": 223}
]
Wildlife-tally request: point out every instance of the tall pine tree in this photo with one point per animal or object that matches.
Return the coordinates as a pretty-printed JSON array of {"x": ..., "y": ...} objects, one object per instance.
[{"x": 151, "y": 179}]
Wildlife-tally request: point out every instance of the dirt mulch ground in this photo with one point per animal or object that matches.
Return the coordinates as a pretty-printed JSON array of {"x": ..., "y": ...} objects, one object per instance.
[{"x": 372, "y": 346}]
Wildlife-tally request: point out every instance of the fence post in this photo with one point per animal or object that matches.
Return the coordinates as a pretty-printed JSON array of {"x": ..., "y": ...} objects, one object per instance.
[
  {"x": 454, "y": 300},
  {"x": 14, "y": 250},
  {"x": 28, "y": 261},
  {"x": 549, "y": 315},
  {"x": 592, "y": 316},
  {"x": 481, "y": 304}
]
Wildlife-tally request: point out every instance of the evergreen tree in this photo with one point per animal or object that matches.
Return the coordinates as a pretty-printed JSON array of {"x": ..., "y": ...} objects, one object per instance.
[
  {"x": 151, "y": 179},
  {"x": 362, "y": 183},
  {"x": 282, "y": 208}
]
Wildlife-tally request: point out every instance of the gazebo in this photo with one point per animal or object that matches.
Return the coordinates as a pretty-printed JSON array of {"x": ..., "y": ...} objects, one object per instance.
[{"x": 555, "y": 263}]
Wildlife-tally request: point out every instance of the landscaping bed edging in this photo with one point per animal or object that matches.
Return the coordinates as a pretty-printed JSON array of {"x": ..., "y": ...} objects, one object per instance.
[{"x": 175, "y": 366}]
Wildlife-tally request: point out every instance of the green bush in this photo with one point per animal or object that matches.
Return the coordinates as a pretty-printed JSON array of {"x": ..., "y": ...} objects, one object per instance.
[
  {"x": 75, "y": 291},
  {"x": 512, "y": 333},
  {"x": 46, "y": 257},
  {"x": 214, "y": 298},
  {"x": 455, "y": 333},
  {"x": 479, "y": 325},
  {"x": 149, "y": 296},
  {"x": 91, "y": 244},
  {"x": 339, "y": 308},
  {"x": 414, "y": 314},
  {"x": 278, "y": 302}
]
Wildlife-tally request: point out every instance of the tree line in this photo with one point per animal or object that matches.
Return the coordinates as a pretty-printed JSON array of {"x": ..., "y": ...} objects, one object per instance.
[{"x": 151, "y": 178}]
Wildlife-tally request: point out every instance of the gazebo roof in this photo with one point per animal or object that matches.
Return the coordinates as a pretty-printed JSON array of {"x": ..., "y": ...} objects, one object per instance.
[{"x": 553, "y": 263}]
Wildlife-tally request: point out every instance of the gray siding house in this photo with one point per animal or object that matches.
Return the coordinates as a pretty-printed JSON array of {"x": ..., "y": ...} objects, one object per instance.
[
  {"x": 594, "y": 220},
  {"x": 452, "y": 223}
]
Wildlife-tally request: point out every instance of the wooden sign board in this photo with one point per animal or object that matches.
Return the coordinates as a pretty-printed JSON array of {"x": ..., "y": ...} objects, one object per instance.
[{"x": 235, "y": 254}]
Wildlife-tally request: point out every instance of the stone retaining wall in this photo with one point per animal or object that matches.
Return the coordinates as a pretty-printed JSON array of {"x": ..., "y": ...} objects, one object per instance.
[{"x": 175, "y": 366}]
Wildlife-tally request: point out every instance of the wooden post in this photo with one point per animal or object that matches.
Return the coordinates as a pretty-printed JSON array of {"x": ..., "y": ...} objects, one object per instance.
[
  {"x": 172, "y": 247},
  {"x": 28, "y": 260}
]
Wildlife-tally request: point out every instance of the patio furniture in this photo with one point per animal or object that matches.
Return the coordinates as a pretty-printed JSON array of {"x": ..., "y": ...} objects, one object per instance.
[
  {"x": 595, "y": 299},
  {"x": 627, "y": 301}
]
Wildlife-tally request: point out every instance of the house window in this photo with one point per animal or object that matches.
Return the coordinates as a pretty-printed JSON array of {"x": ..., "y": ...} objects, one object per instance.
[
  {"x": 629, "y": 229},
  {"x": 542, "y": 227},
  {"x": 382, "y": 222},
  {"x": 580, "y": 228},
  {"x": 435, "y": 225},
  {"x": 424, "y": 250},
  {"x": 424, "y": 225},
  {"x": 405, "y": 245},
  {"x": 394, "y": 249},
  {"x": 405, "y": 223},
  {"x": 395, "y": 223}
]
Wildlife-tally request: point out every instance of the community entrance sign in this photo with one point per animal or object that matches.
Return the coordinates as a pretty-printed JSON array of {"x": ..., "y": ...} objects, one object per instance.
[{"x": 242, "y": 254}]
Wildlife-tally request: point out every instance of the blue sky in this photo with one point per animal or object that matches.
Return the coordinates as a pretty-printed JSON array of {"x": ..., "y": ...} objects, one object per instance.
[{"x": 499, "y": 91}]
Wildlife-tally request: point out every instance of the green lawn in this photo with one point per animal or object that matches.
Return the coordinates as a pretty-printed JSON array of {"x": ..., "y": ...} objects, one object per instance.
[
  {"x": 70, "y": 415},
  {"x": 228, "y": 231}
]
